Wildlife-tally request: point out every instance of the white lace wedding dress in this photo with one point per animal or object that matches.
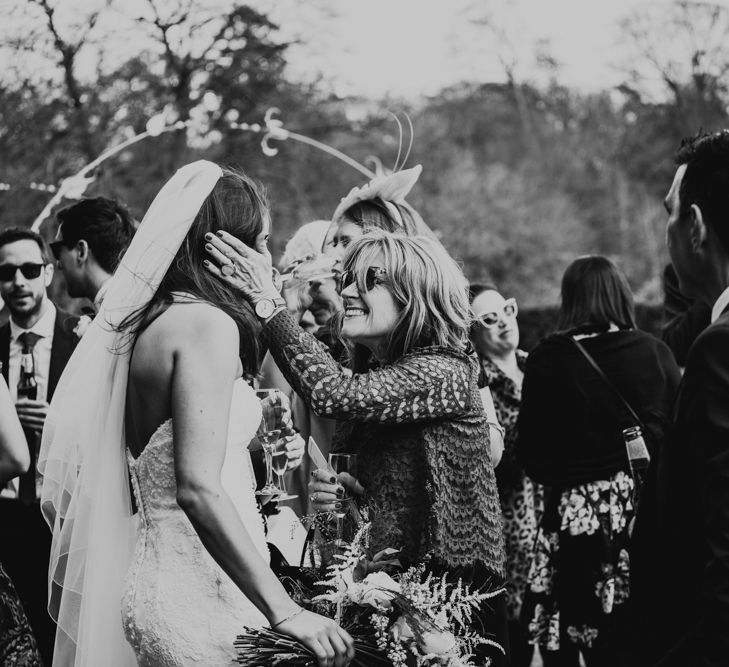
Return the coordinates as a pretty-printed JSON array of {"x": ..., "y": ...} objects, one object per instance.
[{"x": 179, "y": 607}]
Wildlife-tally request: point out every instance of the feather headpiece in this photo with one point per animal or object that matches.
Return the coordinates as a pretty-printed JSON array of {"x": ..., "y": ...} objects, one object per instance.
[{"x": 390, "y": 188}]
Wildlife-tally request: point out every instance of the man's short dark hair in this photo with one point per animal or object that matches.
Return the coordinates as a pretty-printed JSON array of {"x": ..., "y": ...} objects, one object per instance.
[
  {"x": 103, "y": 223},
  {"x": 706, "y": 180},
  {"x": 13, "y": 234}
]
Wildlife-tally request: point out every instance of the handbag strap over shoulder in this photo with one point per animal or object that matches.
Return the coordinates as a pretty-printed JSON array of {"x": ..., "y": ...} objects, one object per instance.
[{"x": 600, "y": 372}]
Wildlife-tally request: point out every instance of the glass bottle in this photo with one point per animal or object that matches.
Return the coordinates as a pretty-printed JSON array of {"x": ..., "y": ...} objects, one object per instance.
[
  {"x": 27, "y": 385},
  {"x": 638, "y": 455}
]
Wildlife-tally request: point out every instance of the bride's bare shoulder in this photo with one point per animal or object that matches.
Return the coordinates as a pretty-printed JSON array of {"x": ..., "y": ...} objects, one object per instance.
[{"x": 194, "y": 323}]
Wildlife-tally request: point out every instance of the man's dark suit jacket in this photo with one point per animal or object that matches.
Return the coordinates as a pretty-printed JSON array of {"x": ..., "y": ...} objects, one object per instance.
[
  {"x": 680, "y": 561},
  {"x": 684, "y": 318},
  {"x": 64, "y": 343},
  {"x": 25, "y": 539}
]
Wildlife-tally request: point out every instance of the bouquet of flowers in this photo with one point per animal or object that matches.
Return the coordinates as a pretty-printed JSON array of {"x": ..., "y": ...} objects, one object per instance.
[{"x": 396, "y": 618}]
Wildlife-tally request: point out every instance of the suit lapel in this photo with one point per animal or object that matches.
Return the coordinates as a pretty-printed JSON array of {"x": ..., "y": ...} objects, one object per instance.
[{"x": 64, "y": 343}]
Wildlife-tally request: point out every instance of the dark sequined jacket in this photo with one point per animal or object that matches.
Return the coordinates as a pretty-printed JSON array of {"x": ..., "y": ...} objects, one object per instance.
[{"x": 419, "y": 430}]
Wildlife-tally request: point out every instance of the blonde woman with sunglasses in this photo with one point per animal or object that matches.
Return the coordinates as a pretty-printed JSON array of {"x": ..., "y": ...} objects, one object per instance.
[{"x": 408, "y": 404}]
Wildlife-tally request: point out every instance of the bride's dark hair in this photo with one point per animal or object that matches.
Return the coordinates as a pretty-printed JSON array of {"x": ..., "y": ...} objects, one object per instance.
[{"x": 237, "y": 205}]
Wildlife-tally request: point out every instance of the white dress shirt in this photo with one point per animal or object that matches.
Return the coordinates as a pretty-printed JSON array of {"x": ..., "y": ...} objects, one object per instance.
[
  {"x": 42, "y": 361},
  {"x": 721, "y": 303},
  {"x": 101, "y": 294}
]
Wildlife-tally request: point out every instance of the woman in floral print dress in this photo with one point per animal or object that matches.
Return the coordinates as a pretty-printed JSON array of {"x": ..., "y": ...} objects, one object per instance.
[
  {"x": 570, "y": 439},
  {"x": 495, "y": 337}
]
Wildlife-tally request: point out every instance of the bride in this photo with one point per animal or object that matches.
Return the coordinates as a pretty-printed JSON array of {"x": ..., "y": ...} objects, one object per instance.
[{"x": 156, "y": 393}]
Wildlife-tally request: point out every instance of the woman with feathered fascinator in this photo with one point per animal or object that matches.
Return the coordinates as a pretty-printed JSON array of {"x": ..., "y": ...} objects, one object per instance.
[{"x": 378, "y": 204}]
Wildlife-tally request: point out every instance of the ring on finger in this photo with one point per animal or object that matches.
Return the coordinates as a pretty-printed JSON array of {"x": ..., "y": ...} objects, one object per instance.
[
  {"x": 227, "y": 270},
  {"x": 312, "y": 497}
]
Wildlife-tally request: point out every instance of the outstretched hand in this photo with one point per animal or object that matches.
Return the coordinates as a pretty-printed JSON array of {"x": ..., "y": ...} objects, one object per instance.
[{"x": 247, "y": 270}]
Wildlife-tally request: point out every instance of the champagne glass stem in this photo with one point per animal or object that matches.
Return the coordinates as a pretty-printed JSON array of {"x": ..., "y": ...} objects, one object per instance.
[
  {"x": 269, "y": 465},
  {"x": 340, "y": 528}
]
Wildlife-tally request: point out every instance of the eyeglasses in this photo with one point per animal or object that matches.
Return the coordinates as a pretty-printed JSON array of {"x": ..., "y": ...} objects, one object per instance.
[
  {"x": 490, "y": 320},
  {"x": 56, "y": 246},
  {"x": 374, "y": 275},
  {"x": 29, "y": 271}
]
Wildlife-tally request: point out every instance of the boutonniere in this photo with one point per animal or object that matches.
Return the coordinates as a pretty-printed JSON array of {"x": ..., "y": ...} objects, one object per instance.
[{"x": 83, "y": 323}]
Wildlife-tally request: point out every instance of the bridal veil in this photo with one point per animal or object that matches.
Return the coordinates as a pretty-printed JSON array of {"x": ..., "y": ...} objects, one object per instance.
[{"x": 86, "y": 496}]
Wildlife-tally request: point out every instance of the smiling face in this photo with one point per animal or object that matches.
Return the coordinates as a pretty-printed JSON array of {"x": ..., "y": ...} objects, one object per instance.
[
  {"x": 503, "y": 337},
  {"x": 369, "y": 316}
]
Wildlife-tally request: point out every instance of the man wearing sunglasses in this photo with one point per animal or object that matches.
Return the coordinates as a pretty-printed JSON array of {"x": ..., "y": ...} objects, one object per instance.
[
  {"x": 92, "y": 236},
  {"x": 40, "y": 332}
]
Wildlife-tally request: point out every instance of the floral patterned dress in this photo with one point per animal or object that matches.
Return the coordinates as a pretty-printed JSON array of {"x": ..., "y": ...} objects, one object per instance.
[
  {"x": 580, "y": 572},
  {"x": 17, "y": 644},
  {"x": 522, "y": 500}
]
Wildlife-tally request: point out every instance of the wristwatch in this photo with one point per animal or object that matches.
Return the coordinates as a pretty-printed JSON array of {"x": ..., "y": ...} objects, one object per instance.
[{"x": 266, "y": 307}]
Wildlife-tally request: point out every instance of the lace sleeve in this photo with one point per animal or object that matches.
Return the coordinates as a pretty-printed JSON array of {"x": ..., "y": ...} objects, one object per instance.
[{"x": 429, "y": 384}]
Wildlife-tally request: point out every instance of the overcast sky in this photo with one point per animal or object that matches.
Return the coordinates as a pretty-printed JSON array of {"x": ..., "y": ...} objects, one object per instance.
[
  {"x": 408, "y": 48},
  {"x": 413, "y": 47}
]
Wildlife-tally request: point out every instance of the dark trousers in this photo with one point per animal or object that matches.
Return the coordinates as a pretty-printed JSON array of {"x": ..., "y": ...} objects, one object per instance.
[
  {"x": 24, "y": 552},
  {"x": 613, "y": 654},
  {"x": 522, "y": 652}
]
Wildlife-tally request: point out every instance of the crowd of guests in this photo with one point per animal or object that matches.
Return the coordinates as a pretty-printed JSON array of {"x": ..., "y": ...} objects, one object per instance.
[{"x": 486, "y": 463}]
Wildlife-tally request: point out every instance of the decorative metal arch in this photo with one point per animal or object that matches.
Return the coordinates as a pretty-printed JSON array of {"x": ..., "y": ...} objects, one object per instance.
[{"x": 272, "y": 129}]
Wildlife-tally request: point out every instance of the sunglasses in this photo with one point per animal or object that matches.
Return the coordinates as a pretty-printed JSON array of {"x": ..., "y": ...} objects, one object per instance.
[
  {"x": 29, "y": 271},
  {"x": 56, "y": 246},
  {"x": 490, "y": 320},
  {"x": 374, "y": 275}
]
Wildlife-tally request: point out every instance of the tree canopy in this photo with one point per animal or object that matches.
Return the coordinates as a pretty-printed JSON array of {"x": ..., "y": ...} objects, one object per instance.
[{"x": 519, "y": 177}]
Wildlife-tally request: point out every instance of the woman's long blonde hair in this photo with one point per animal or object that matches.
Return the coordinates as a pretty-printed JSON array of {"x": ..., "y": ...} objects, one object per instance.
[{"x": 426, "y": 283}]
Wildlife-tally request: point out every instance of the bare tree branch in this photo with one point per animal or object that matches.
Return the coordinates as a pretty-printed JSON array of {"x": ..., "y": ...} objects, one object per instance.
[{"x": 66, "y": 51}]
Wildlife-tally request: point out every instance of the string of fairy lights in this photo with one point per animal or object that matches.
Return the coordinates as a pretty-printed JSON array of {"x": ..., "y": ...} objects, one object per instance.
[{"x": 41, "y": 187}]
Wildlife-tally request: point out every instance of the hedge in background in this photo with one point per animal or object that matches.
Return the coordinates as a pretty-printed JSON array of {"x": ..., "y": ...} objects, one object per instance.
[{"x": 535, "y": 323}]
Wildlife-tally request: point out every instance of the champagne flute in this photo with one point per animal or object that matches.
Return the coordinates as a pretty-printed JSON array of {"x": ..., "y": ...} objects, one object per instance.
[
  {"x": 341, "y": 463},
  {"x": 312, "y": 268},
  {"x": 269, "y": 433},
  {"x": 279, "y": 463}
]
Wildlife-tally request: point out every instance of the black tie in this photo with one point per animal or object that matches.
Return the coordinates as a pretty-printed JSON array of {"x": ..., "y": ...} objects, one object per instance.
[
  {"x": 26, "y": 487},
  {"x": 28, "y": 339}
]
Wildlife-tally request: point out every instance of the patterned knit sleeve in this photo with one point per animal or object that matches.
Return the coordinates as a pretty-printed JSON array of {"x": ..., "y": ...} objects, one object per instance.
[{"x": 417, "y": 387}]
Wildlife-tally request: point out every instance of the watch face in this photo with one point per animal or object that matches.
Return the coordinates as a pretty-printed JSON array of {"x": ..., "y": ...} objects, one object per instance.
[{"x": 264, "y": 308}]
